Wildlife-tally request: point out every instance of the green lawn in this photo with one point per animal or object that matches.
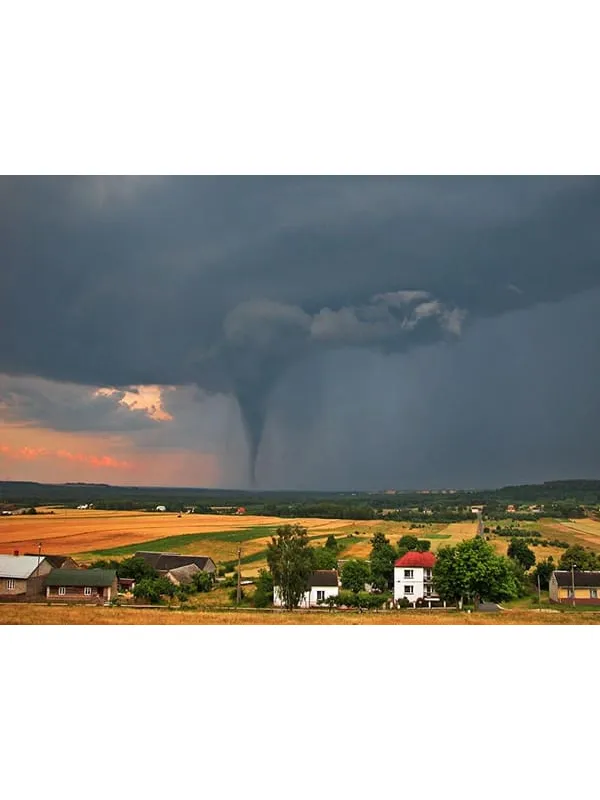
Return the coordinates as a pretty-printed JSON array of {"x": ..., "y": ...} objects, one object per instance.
[{"x": 173, "y": 543}]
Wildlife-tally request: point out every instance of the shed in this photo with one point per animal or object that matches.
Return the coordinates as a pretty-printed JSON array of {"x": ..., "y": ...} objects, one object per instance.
[{"x": 183, "y": 575}]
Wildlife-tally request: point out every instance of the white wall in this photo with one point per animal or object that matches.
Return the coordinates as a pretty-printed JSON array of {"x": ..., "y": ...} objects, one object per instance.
[
  {"x": 417, "y": 582},
  {"x": 310, "y": 598}
]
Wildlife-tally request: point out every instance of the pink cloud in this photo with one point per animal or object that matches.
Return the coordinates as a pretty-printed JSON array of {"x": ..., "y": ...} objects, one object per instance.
[{"x": 32, "y": 453}]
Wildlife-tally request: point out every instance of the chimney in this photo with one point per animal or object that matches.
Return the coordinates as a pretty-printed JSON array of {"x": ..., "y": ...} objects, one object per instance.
[{"x": 15, "y": 552}]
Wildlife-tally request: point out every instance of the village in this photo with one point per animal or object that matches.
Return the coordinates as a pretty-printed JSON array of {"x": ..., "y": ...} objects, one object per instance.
[{"x": 59, "y": 579}]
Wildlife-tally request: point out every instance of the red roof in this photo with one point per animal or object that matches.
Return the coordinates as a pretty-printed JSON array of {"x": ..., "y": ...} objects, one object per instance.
[{"x": 415, "y": 559}]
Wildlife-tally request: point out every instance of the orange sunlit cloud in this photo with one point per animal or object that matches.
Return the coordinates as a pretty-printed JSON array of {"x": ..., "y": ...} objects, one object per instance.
[
  {"x": 42, "y": 454},
  {"x": 146, "y": 398}
]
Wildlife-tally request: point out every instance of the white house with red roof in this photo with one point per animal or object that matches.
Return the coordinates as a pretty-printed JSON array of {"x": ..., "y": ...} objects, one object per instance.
[{"x": 413, "y": 577}]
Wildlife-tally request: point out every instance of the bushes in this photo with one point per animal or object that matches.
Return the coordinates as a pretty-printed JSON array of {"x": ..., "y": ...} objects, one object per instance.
[
  {"x": 152, "y": 589},
  {"x": 202, "y": 582},
  {"x": 365, "y": 600},
  {"x": 233, "y": 595},
  {"x": 263, "y": 596}
]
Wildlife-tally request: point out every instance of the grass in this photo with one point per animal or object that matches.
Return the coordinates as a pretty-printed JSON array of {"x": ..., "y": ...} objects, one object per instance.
[
  {"x": 81, "y": 615},
  {"x": 174, "y": 543}
]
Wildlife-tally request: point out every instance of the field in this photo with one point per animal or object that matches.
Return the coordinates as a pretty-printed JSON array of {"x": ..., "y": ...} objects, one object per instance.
[
  {"x": 90, "y": 534},
  {"x": 93, "y": 534},
  {"x": 80, "y": 615}
]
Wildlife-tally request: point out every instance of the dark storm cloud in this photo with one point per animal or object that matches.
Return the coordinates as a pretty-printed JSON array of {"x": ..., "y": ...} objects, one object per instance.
[
  {"x": 67, "y": 407},
  {"x": 226, "y": 282}
]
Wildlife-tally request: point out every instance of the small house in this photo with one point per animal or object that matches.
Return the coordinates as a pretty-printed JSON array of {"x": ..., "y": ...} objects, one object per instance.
[
  {"x": 22, "y": 577},
  {"x": 165, "y": 562},
  {"x": 413, "y": 577},
  {"x": 323, "y": 583},
  {"x": 82, "y": 585},
  {"x": 182, "y": 575},
  {"x": 161, "y": 508},
  {"x": 578, "y": 586},
  {"x": 125, "y": 584}
]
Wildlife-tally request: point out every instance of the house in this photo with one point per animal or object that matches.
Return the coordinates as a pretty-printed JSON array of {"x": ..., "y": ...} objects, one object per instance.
[
  {"x": 125, "y": 584},
  {"x": 241, "y": 510},
  {"x": 413, "y": 577},
  {"x": 160, "y": 508},
  {"x": 87, "y": 585},
  {"x": 20, "y": 577},
  {"x": 58, "y": 562},
  {"x": 323, "y": 583},
  {"x": 582, "y": 587},
  {"x": 511, "y": 509},
  {"x": 183, "y": 575},
  {"x": 165, "y": 562}
]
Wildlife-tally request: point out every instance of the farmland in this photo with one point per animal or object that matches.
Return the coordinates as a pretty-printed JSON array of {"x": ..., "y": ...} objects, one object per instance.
[{"x": 90, "y": 534}]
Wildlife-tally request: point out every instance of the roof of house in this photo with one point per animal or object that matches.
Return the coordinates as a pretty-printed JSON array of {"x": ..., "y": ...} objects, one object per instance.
[
  {"x": 164, "y": 562},
  {"x": 54, "y": 561},
  {"x": 185, "y": 573},
  {"x": 582, "y": 579},
  {"x": 324, "y": 577},
  {"x": 416, "y": 559},
  {"x": 81, "y": 577},
  {"x": 18, "y": 566}
]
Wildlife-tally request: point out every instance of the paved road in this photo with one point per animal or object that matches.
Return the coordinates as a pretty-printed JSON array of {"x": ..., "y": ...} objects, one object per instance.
[{"x": 489, "y": 607}]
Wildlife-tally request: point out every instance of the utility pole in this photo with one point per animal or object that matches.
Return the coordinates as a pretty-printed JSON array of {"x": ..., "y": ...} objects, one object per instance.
[
  {"x": 39, "y": 558},
  {"x": 573, "y": 583},
  {"x": 239, "y": 578},
  {"x": 539, "y": 591}
]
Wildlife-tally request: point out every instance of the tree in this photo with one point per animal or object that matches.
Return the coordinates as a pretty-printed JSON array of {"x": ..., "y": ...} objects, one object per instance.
[
  {"x": 406, "y": 543},
  {"x": 472, "y": 571},
  {"x": 291, "y": 562},
  {"x": 355, "y": 573},
  {"x": 383, "y": 556},
  {"x": 580, "y": 557},
  {"x": 324, "y": 558},
  {"x": 331, "y": 542},
  {"x": 135, "y": 568},
  {"x": 152, "y": 589},
  {"x": 202, "y": 581},
  {"x": 544, "y": 570},
  {"x": 518, "y": 550},
  {"x": 263, "y": 595},
  {"x": 424, "y": 545}
]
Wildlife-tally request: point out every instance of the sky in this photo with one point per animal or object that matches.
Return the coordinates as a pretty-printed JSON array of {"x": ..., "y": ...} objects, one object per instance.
[{"x": 300, "y": 332}]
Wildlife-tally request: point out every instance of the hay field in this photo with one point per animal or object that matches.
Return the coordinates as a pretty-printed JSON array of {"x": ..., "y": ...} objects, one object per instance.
[
  {"x": 72, "y": 531},
  {"x": 90, "y": 533},
  {"x": 80, "y": 615}
]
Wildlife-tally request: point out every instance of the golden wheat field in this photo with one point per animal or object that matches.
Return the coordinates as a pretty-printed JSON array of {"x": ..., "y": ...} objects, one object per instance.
[
  {"x": 85, "y": 532},
  {"x": 72, "y": 531},
  {"x": 81, "y": 615}
]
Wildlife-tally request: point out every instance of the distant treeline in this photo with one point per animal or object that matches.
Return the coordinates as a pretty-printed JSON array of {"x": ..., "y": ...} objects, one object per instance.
[{"x": 559, "y": 499}]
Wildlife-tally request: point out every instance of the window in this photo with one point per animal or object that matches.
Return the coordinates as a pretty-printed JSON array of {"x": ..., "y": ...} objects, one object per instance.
[
  {"x": 408, "y": 573},
  {"x": 594, "y": 594},
  {"x": 62, "y": 590},
  {"x": 428, "y": 590},
  {"x": 320, "y": 594},
  {"x": 10, "y": 583},
  {"x": 87, "y": 590},
  {"x": 408, "y": 589}
]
